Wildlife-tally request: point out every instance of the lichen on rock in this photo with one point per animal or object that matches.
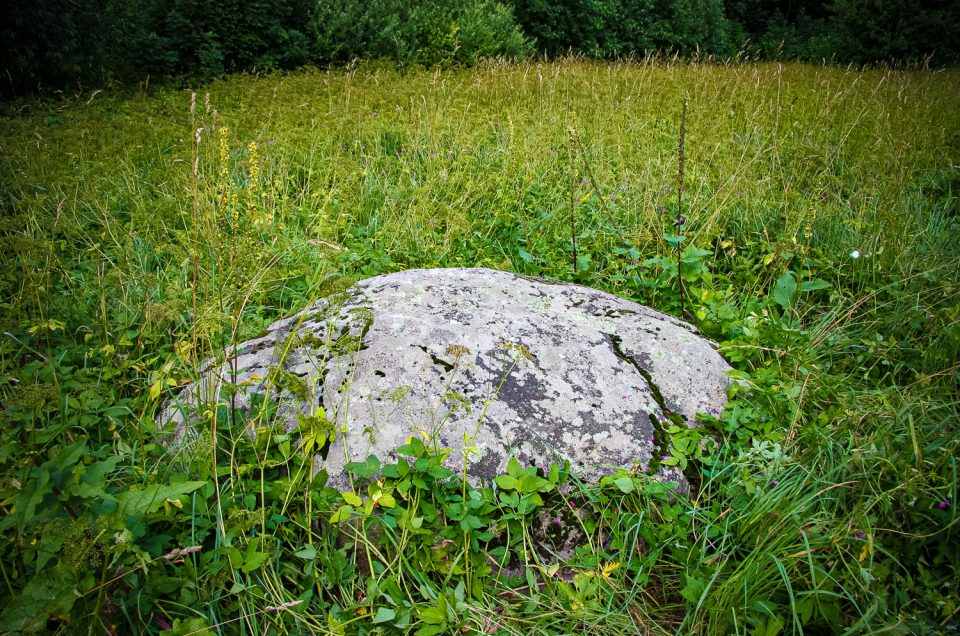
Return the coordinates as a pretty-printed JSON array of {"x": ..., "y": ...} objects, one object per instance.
[{"x": 482, "y": 362}]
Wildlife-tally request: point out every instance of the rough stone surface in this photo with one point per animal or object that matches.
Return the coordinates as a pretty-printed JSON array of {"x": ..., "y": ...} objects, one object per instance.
[{"x": 520, "y": 367}]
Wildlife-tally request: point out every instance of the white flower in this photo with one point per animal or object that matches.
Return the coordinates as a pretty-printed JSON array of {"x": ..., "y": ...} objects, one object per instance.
[{"x": 855, "y": 254}]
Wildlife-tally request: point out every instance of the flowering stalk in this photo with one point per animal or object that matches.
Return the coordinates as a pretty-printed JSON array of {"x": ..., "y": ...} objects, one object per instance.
[{"x": 681, "y": 220}]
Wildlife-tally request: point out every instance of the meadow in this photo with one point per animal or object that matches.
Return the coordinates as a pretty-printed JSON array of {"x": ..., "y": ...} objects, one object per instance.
[{"x": 145, "y": 231}]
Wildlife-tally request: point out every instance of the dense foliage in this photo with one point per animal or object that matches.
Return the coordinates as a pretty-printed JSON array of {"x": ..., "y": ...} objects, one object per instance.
[
  {"x": 63, "y": 44},
  {"x": 146, "y": 232}
]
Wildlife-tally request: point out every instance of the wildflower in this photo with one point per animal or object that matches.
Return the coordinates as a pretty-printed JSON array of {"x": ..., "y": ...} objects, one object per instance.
[
  {"x": 858, "y": 535},
  {"x": 621, "y": 187},
  {"x": 254, "y": 168},
  {"x": 855, "y": 254},
  {"x": 583, "y": 182},
  {"x": 664, "y": 457},
  {"x": 573, "y": 504},
  {"x": 773, "y": 484},
  {"x": 613, "y": 196},
  {"x": 943, "y": 505},
  {"x": 624, "y": 397},
  {"x": 740, "y": 193},
  {"x": 374, "y": 114}
]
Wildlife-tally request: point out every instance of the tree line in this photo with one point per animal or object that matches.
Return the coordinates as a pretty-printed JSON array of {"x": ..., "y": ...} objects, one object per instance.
[{"x": 56, "y": 44}]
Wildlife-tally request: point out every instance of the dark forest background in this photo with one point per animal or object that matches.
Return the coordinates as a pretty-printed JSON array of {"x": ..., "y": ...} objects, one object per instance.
[{"x": 63, "y": 44}]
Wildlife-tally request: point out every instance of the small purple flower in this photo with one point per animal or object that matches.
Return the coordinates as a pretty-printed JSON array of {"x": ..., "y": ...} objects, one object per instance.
[
  {"x": 558, "y": 521},
  {"x": 621, "y": 187},
  {"x": 643, "y": 467},
  {"x": 624, "y": 397},
  {"x": 823, "y": 197},
  {"x": 773, "y": 484},
  {"x": 681, "y": 220},
  {"x": 496, "y": 123},
  {"x": 664, "y": 457},
  {"x": 613, "y": 196},
  {"x": 653, "y": 438},
  {"x": 269, "y": 142},
  {"x": 573, "y": 504},
  {"x": 374, "y": 114},
  {"x": 583, "y": 182},
  {"x": 943, "y": 505},
  {"x": 858, "y": 535},
  {"x": 740, "y": 193}
]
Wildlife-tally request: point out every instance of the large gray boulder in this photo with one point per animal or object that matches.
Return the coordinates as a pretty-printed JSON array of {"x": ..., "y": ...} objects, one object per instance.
[{"x": 490, "y": 362}]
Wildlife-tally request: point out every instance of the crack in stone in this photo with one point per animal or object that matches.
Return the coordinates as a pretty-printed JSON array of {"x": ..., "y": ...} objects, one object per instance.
[{"x": 659, "y": 432}]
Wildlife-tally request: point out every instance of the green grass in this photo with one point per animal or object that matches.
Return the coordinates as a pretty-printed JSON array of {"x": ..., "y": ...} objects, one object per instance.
[{"x": 825, "y": 495}]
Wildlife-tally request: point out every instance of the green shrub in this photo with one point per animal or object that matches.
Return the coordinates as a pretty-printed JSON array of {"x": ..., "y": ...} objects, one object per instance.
[
  {"x": 428, "y": 32},
  {"x": 606, "y": 28}
]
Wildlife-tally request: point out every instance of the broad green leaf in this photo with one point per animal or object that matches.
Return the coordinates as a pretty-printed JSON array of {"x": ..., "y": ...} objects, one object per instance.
[
  {"x": 384, "y": 615},
  {"x": 508, "y": 482},
  {"x": 366, "y": 468},
  {"x": 253, "y": 558},
  {"x": 814, "y": 285},
  {"x": 784, "y": 290},
  {"x": 351, "y": 498},
  {"x": 625, "y": 484},
  {"x": 150, "y": 498},
  {"x": 307, "y": 552},
  {"x": 674, "y": 239},
  {"x": 694, "y": 254},
  {"x": 525, "y": 255},
  {"x": 44, "y": 595},
  {"x": 533, "y": 483},
  {"x": 342, "y": 514}
]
